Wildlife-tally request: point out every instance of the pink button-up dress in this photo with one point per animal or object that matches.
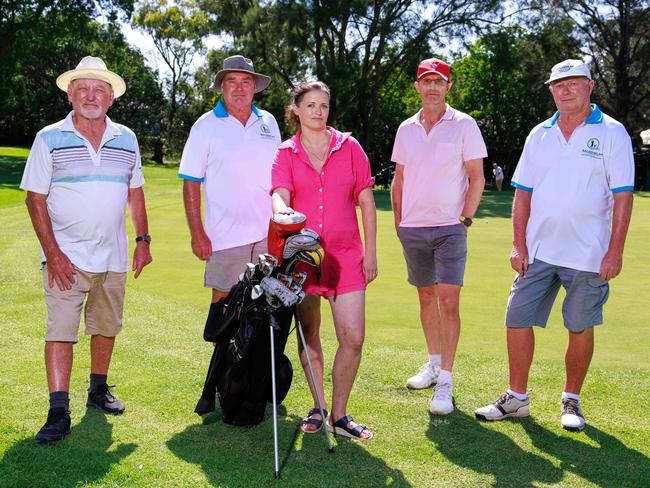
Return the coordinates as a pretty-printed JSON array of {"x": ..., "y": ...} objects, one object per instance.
[{"x": 328, "y": 198}]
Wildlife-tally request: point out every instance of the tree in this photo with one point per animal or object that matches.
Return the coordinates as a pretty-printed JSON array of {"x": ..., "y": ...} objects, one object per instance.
[
  {"x": 355, "y": 46},
  {"x": 500, "y": 83},
  {"x": 29, "y": 97},
  {"x": 177, "y": 31},
  {"x": 616, "y": 34}
]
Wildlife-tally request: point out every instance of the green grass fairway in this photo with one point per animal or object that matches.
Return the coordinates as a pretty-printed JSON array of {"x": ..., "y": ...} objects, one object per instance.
[{"x": 160, "y": 362}]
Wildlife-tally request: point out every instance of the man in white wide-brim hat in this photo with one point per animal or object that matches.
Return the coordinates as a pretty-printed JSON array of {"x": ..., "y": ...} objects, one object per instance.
[
  {"x": 570, "y": 215},
  {"x": 81, "y": 173},
  {"x": 229, "y": 153}
]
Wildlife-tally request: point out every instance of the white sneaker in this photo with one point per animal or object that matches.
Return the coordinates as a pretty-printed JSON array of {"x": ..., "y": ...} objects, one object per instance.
[
  {"x": 506, "y": 406},
  {"x": 442, "y": 401},
  {"x": 572, "y": 418},
  {"x": 427, "y": 376}
]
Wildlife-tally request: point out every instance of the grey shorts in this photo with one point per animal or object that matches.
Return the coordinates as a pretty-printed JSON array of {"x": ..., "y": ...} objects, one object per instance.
[
  {"x": 222, "y": 269},
  {"x": 434, "y": 255},
  {"x": 532, "y": 296}
]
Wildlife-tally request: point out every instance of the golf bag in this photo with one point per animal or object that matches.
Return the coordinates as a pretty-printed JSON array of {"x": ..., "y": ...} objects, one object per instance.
[{"x": 239, "y": 371}]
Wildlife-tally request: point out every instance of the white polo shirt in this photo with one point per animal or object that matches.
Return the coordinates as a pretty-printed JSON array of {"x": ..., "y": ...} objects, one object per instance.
[
  {"x": 87, "y": 191},
  {"x": 573, "y": 183},
  {"x": 233, "y": 162},
  {"x": 435, "y": 178}
]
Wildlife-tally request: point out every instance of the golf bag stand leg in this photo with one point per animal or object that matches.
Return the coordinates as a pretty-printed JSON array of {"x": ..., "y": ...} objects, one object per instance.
[
  {"x": 272, "y": 327},
  {"x": 313, "y": 380}
]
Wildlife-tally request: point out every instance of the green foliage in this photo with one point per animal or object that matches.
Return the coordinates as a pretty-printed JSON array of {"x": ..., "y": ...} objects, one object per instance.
[
  {"x": 500, "y": 83},
  {"x": 356, "y": 47},
  {"x": 29, "y": 97}
]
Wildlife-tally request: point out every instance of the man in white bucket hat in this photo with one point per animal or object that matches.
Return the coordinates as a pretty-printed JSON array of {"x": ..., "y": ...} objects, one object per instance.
[
  {"x": 80, "y": 174},
  {"x": 572, "y": 208},
  {"x": 229, "y": 153}
]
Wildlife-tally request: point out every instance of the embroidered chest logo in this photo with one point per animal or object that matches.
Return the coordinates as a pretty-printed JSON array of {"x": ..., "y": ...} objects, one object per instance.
[
  {"x": 265, "y": 132},
  {"x": 593, "y": 149}
]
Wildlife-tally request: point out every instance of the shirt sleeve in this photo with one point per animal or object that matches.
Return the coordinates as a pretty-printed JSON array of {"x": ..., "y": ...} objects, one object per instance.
[
  {"x": 137, "y": 178},
  {"x": 37, "y": 176},
  {"x": 523, "y": 178},
  {"x": 281, "y": 174},
  {"x": 619, "y": 163},
  {"x": 361, "y": 169},
  {"x": 473, "y": 143},
  {"x": 399, "y": 151},
  {"x": 194, "y": 160}
]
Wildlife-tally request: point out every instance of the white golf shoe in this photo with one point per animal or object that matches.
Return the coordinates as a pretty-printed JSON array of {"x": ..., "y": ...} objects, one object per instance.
[
  {"x": 506, "y": 406},
  {"x": 442, "y": 401},
  {"x": 427, "y": 376},
  {"x": 572, "y": 418}
]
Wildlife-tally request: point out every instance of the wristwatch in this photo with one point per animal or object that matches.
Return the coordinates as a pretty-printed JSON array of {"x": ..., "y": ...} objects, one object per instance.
[
  {"x": 143, "y": 237},
  {"x": 466, "y": 221}
]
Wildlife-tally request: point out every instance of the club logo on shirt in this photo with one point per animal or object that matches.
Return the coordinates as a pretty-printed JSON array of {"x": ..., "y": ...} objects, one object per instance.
[
  {"x": 593, "y": 149},
  {"x": 593, "y": 144},
  {"x": 265, "y": 132}
]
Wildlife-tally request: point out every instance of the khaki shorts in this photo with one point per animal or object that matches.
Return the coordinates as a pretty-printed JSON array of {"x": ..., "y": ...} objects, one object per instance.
[
  {"x": 104, "y": 297},
  {"x": 223, "y": 268}
]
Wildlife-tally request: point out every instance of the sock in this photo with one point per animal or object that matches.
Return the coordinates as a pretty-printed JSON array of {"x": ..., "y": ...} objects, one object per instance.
[
  {"x": 60, "y": 399},
  {"x": 444, "y": 377},
  {"x": 519, "y": 396},
  {"x": 96, "y": 380},
  {"x": 434, "y": 359},
  {"x": 570, "y": 395}
]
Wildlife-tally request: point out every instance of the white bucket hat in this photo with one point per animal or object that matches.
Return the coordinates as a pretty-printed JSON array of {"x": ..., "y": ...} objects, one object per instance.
[
  {"x": 240, "y": 64},
  {"x": 92, "y": 68},
  {"x": 568, "y": 68}
]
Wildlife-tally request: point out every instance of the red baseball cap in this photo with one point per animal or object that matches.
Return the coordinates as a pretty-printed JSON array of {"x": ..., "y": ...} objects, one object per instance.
[{"x": 433, "y": 65}]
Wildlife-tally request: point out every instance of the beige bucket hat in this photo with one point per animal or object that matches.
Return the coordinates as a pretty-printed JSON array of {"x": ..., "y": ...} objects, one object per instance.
[{"x": 92, "y": 68}]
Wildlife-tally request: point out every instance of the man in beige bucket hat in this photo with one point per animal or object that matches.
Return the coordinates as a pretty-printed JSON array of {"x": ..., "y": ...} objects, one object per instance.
[
  {"x": 80, "y": 174},
  {"x": 229, "y": 153}
]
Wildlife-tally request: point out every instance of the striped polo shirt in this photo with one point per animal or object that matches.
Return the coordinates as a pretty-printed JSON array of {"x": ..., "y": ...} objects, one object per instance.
[{"x": 87, "y": 191}]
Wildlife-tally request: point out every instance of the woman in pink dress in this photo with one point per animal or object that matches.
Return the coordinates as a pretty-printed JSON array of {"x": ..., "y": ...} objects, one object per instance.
[{"x": 324, "y": 174}]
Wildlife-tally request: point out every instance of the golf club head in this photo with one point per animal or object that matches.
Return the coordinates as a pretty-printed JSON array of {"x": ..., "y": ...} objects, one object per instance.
[
  {"x": 267, "y": 263},
  {"x": 295, "y": 287},
  {"x": 307, "y": 239},
  {"x": 256, "y": 292},
  {"x": 286, "y": 280},
  {"x": 299, "y": 277}
]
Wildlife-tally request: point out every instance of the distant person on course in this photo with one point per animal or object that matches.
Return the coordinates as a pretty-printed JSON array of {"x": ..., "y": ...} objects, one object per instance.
[
  {"x": 229, "y": 153},
  {"x": 438, "y": 156},
  {"x": 570, "y": 215},
  {"x": 81, "y": 173},
  {"x": 497, "y": 172}
]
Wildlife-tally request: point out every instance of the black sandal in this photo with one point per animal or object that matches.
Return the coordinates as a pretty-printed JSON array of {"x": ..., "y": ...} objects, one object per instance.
[
  {"x": 340, "y": 427},
  {"x": 318, "y": 423}
]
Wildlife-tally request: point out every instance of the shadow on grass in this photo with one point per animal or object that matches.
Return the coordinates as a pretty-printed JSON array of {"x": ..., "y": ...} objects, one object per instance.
[
  {"x": 469, "y": 444},
  {"x": 11, "y": 171},
  {"x": 610, "y": 463},
  {"x": 82, "y": 458},
  {"x": 243, "y": 456}
]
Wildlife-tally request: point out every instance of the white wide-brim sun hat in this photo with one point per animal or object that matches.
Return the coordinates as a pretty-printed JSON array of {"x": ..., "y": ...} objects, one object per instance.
[{"x": 92, "y": 68}]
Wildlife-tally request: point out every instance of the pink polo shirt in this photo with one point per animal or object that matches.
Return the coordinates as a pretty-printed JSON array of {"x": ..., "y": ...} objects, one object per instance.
[
  {"x": 435, "y": 179},
  {"x": 328, "y": 198}
]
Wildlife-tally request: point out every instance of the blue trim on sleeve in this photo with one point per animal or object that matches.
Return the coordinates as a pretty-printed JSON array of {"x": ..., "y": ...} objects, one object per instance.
[
  {"x": 521, "y": 187},
  {"x": 622, "y": 188},
  {"x": 191, "y": 178}
]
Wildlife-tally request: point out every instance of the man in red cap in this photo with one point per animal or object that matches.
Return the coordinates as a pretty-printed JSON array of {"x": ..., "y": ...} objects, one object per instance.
[{"x": 438, "y": 153}]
